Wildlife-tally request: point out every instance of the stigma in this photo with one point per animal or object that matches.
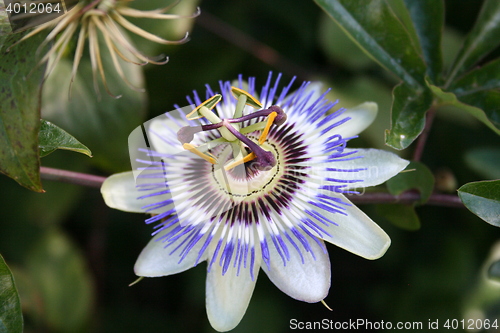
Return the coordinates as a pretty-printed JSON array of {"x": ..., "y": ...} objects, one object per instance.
[{"x": 233, "y": 131}]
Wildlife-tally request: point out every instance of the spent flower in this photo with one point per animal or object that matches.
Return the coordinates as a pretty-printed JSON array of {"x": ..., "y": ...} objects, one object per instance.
[
  {"x": 250, "y": 180},
  {"x": 104, "y": 20}
]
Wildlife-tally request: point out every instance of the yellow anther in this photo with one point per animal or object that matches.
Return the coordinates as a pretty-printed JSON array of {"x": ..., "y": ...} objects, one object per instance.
[
  {"x": 207, "y": 157},
  {"x": 245, "y": 159},
  {"x": 209, "y": 104},
  {"x": 252, "y": 101},
  {"x": 265, "y": 131}
]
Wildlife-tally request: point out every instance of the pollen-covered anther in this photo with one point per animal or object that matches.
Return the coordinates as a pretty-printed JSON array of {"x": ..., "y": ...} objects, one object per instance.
[
  {"x": 245, "y": 159},
  {"x": 194, "y": 150},
  {"x": 264, "y": 160},
  {"x": 246, "y": 97},
  {"x": 265, "y": 131}
]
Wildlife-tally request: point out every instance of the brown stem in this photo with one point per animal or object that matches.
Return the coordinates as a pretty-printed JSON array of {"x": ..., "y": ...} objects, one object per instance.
[
  {"x": 422, "y": 139},
  {"x": 71, "y": 177},
  {"x": 436, "y": 199}
]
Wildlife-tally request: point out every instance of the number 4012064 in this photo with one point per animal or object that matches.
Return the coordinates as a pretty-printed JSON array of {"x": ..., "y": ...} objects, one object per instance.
[
  {"x": 33, "y": 8},
  {"x": 471, "y": 324}
]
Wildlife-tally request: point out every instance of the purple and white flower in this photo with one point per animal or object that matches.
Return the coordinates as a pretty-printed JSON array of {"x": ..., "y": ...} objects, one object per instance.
[{"x": 255, "y": 179}]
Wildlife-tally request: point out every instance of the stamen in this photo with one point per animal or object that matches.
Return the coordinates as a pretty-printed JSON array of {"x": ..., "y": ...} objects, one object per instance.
[
  {"x": 265, "y": 159},
  {"x": 279, "y": 120},
  {"x": 252, "y": 101},
  {"x": 210, "y": 104},
  {"x": 264, "y": 133},
  {"x": 204, "y": 110},
  {"x": 245, "y": 159},
  {"x": 207, "y": 157}
]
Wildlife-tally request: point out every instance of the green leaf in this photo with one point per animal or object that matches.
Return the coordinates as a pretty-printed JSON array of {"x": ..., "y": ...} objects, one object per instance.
[
  {"x": 407, "y": 115},
  {"x": 482, "y": 39},
  {"x": 339, "y": 47},
  {"x": 52, "y": 137},
  {"x": 483, "y": 199},
  {"x": 450, "y": 99},
  {"x": 479, "y": 88},
  {"x": 418, "y": 177},
  {"x": 376, "y": 29},
  {"x": 5, "y": 27},
  {"x": 403, "y": 14},
  {"x": 11, "y": 317},
  {"x": 20, "y": 89},
  {"x": 62, "y": 281},
  {"x": 402, "y": 216},
  {"x": 480, "y": 79},
  {"x": 485, "y": 161},
  {"x": 428, "y": 18}
]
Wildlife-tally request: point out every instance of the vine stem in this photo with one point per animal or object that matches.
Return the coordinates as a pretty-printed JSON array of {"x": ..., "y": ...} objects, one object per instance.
[
  {"x": 422, "y": 139},
  {"x": 71, "y": 177},
  {"x": 436, "y": 199}
]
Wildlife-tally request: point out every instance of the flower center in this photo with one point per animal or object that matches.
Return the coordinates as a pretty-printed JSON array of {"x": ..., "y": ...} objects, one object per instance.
[
  {"x": 247, "y": 180},
  {"x": 242, "y": 148}
]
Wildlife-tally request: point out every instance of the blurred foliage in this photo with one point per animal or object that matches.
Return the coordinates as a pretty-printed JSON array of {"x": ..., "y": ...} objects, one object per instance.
[
  {"x": 72, "y": 257},
  {"x": 11, "y": 319}
]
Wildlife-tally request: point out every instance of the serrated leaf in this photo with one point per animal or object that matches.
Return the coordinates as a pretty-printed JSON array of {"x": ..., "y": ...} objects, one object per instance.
[
  {"x": 481, "y": 40},
  {"x": 485, "y": 160},
  {"x": 402, "y": 216},
  {"x": 11, "y": 317},
  {"x": 418, "y": 177},
  {"x": 449, "y": 98},
  {"x": 52, "y": 138},
  {"x": 63, "y": 282},
  {"x": 407, "y": 115},
  {"x": 428, "y": 19},
  {"x": 483, "y": 199},
  {"x": 20, "y": 89},
  {"x": 376, "y": 29}
]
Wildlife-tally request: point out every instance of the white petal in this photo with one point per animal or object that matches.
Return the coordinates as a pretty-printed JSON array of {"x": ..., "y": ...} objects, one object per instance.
[
  {"x": 308, "y": 281},
  {"x": 361, "y": 116},
  {"x": 379, "y": 166},
  {"x": 228, "y": 295},
  {"x": 356, "y": 232},
  {"x": 156, "y": 260},
  {"x": 119, "y": 191}
]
